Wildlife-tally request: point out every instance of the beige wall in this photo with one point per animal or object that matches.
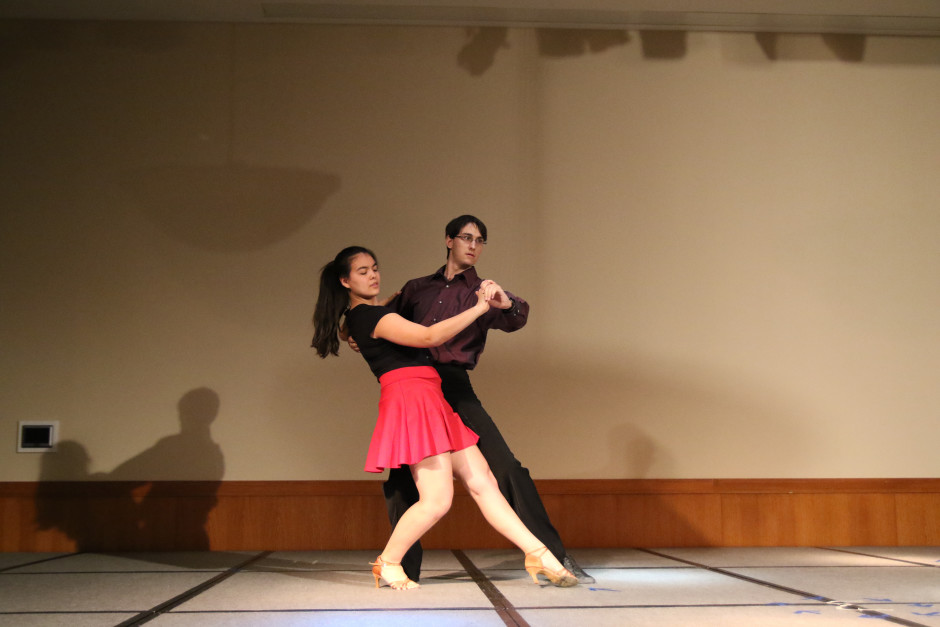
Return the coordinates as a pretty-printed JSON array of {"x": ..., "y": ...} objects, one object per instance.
[{"x": 729, "y": 242}]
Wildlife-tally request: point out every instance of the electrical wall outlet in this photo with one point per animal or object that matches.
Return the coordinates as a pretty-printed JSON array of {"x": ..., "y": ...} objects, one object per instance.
[{"x": 37, "y": 436}]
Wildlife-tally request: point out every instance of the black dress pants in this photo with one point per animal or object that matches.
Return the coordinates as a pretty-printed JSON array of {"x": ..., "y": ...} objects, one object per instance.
[{"x": 513, "y": 478}]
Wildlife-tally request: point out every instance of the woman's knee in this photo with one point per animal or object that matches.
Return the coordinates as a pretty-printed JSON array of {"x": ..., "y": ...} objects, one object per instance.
[
  {"x": 436, "y": 505},
  {"x": 481, "y": 482}
]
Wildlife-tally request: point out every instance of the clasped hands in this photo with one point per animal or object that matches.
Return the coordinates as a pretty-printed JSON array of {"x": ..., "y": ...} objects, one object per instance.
[{"x": 495, "y": 295}]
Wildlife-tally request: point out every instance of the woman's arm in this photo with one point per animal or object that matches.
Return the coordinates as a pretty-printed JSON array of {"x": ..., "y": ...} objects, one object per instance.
[{"x": 394, "y": 328}]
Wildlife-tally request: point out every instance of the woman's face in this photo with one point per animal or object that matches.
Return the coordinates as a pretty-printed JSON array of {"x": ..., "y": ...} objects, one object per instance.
[{"x": 363, "y": 279}]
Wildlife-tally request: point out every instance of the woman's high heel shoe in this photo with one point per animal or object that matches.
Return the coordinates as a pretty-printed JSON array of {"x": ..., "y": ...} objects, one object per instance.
[
  {"x": 398, "y": 584},
  {"x": 534, "y": 566}
]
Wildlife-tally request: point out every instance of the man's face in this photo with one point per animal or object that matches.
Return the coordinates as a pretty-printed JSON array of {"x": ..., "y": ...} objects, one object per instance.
[{"x": 466, "y": 248}]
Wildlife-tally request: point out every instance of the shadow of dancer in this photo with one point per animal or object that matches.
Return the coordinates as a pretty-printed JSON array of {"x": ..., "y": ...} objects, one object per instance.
[
  {"x": 167, "y": 522},
  {"x": 142, "y": 504},
  {"x": 92, "y": 518}
]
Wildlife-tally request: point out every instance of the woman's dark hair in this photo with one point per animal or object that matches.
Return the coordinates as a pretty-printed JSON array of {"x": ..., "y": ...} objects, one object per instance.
[
  {"x": 453, "y": 227},
  {"x": 333, "y": 301}
]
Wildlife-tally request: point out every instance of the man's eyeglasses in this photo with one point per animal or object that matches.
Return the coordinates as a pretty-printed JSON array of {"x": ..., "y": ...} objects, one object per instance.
[{"x": 469, "y": 238}]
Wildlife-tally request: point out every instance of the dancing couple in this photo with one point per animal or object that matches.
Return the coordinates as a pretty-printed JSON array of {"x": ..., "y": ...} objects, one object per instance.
[{"x": 418, "y": 435}]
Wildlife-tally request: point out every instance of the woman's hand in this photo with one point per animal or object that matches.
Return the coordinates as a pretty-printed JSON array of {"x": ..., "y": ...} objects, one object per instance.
[
  {"x": 483, "y": 301},
  {"x": 495, "y": 294}
]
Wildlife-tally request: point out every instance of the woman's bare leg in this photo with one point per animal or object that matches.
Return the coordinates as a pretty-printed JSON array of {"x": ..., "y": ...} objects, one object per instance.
[
  {"x": 434, "y": 478},
  {"x": 471, "y": 468}
]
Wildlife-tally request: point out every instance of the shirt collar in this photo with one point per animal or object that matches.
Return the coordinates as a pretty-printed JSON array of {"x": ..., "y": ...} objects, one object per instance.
[{"x": 469, "y": 275}]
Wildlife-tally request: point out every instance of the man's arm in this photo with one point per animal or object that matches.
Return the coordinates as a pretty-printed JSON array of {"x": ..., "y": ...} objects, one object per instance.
[{"x": 509, "y": 312}]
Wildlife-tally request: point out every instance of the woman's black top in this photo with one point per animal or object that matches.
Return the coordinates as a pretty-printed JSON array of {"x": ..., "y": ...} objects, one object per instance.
[{"x": 381, "y": 355}]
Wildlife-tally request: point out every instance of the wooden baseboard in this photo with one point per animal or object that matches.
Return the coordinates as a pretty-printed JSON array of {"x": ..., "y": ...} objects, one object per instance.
[{"x": 309, "y": 515}]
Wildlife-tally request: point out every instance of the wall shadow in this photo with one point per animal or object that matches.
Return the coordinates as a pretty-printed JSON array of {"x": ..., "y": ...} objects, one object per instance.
[
  {"x": 664, "y": 44},
  {"x": 479, "y": 53},
  {"x": 846, "y": 47},
  {"x": 843, "y": 47},
  {"x": 230, "y": 207},
  {"x": 137, "y": 506},
  {"x": 574, "y": 42}
]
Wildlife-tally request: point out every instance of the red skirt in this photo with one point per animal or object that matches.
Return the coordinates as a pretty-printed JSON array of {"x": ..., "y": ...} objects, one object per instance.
[{"x": 414, "y": 421}]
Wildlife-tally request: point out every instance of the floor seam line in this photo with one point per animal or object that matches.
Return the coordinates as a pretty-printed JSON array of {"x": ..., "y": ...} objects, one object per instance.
[
  {"x": 48, "y": 559},
  {"x": 154, "y": 612},
  {"x": 501, "y": 604},
  {"x": 891, "y": 559},
  {"x": 833, "y": 602}
]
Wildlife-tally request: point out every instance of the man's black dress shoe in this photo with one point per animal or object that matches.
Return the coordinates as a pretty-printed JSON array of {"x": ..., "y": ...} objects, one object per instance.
[{"x": 572, "y": 566}]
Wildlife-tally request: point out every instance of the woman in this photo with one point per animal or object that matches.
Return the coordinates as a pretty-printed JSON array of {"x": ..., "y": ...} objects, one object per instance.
[{"x": 416, "y": 427}]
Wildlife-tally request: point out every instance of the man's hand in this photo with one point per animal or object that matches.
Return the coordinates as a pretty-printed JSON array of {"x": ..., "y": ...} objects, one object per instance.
[
  {"x": 385, "y": 302},
  {"x": 346, "y": 337},
  {"x": 495, "y": 295}
]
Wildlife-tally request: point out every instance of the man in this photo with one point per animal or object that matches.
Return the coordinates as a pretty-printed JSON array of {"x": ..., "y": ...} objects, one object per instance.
[{"x": 429, "y": 299}]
